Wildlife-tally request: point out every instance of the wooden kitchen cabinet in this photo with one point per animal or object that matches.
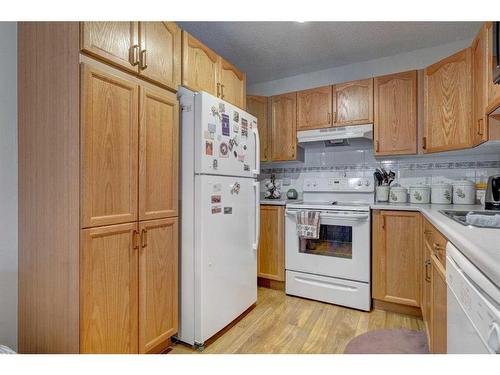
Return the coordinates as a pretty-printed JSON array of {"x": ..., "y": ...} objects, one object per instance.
[
  {"x": 395, "y": 114},
  {"x": 284, "y": 127},
  {"x": 448, "y": 103},
  {"x": 232, "y": 84},
  {"x": 158, "y": 154},
  {"x": 109, "y": 151},
  {"x": 271, "y": 254},
  {"x": 150, "y": 49},
  {"x": 158, "y": 283},
  {"x": 200, "y": 66},
  {"x": 438, "y": 342},
  {"x": 396, "y": 252},
  {"x": 258, "y": 106},
  {"x": 314, "y": 108},
  {"x": 105, "y": 142},
  {"x": 480, "y": 87},
  {"x": 109, "y": 289},
  {"x": 354, "y": 103},
  {"x": 426, "y": 288},
  {"x": 160, "y": 52},
  {"x": 112, "y": 41}
]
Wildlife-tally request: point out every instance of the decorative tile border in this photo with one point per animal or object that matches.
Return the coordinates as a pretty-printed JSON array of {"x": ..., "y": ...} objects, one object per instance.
[{"x": 388, "y": 165}]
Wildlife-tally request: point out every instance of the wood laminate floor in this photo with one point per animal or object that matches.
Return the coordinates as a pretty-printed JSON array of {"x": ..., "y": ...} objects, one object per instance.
[{"x": 285, "y": 324}]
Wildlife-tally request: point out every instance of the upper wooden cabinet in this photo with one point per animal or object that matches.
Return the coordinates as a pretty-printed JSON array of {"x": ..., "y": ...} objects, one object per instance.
[
  {"x": 116, "y": 42},
  {"x": 448, "y": 103},
  {"x": 284, "y": 127},
  {"x": 109, "y": 148},
  {"x": 480, "y": 87},
  {"x": 396, "y": 253},
  {"x": 354, "y": 103},
  {"x": 158, "y": 154},
  {"x": 271, "y": 254},
  {"x": 257, "y": 106},
  {"x": 151, "y": 49},
  {"x": 200, "y": 66},
  {"x": 314, "y": 108},
  {"x": 395, "y": 115},
  {"x": 158, "y": 284},
  {"x": 204, "y": 70},
  {"x": 160, "y": 55},
  {"x": 232, "y": 84}
]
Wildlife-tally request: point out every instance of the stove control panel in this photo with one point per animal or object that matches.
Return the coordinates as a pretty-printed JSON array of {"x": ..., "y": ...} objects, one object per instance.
[{"x": 344, "y": 184}]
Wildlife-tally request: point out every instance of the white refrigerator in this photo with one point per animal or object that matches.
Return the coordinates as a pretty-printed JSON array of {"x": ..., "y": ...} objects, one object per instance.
[{"x": 219, "y": 213}]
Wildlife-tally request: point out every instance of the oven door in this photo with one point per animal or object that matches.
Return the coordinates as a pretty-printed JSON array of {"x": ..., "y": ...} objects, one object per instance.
[{"x": 342, "y": 249}]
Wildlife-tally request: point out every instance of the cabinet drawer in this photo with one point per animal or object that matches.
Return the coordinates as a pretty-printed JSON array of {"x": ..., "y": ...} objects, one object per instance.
[{"x": 435, "y": 242}]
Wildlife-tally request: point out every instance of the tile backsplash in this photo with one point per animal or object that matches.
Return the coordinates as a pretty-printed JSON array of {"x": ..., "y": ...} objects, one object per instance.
[{"x": 337, "y": 162}]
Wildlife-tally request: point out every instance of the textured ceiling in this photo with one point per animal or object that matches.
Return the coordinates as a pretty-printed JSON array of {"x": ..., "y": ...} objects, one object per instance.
[{"x": 273, "y": 50}]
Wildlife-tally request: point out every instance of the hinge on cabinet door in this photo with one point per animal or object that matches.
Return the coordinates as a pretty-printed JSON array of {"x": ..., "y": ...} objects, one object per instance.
[
  {"x": 480, "y": 127},
  {"x": 424, "y": 143},
  {"x": 377, "y": 146},
  {"x": 186, "y": 108}
]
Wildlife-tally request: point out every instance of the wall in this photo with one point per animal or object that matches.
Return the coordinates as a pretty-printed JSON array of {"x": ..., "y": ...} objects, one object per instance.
[
  {"x": 417, "y": 59},
  {"x": 475, "y": 165},
  {"x": 8, "y": 184}
]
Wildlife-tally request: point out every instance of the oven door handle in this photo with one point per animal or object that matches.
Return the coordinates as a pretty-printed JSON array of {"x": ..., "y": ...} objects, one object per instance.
[{"x": 352, "y": 216}]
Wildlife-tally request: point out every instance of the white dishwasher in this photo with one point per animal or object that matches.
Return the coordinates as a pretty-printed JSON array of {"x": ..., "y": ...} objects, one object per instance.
[{"x": 473, "y": 307}]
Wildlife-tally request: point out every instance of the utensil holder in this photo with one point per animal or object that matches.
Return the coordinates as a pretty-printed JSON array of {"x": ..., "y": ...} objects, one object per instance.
[{"x": 382, "y": 193}]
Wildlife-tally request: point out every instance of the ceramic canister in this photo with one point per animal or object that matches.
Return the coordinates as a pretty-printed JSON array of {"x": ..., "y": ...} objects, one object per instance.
[
  {"x": 464, "y": 192},
  {"x": 398, "y": 194},
  {"x": 441, "y": 193},
  {"x": 420, "y": 194}
]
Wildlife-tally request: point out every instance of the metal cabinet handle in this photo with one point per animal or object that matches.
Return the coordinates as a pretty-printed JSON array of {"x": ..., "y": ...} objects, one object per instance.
[
  {"x": 427, "y": 267},
  {"x": 480, "y": 127},
  {"x": 134, "y": 55},
  {"x": 427, "y": 232},
  {"x": 222, "y": 91},
  {"x": 143, "y": 59},
  {"x": 377, "y": 146},
  {"x": 144, "y": 238},
  {"x": 218, "y": 90},
  {"x": 424, "y": 143},
  {"x": 329, "y": 118},
  {"x": 135, "y": 239}
]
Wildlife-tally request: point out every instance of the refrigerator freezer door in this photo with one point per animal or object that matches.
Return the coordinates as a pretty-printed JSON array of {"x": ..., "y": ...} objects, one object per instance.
[
  {"x": 225, "y": 259},
  {"x": 226, "y": 138}
]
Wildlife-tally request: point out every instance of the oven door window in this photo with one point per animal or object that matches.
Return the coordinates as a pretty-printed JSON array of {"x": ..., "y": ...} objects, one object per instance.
[{"x": 333, "y": 241}]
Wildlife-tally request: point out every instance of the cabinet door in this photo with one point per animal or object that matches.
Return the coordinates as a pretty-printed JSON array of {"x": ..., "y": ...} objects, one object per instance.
[
  {"x": 257, "y": 106},
  {"x": 158, "y": 284},
  {"x": 158, "y": 154},
  {"x": 397, "y": 257},
  {"x": 448, "y": 103},
  {"x": 395, "y": 114},
  {"x": 283, "y": 127},
  {"x": 438, "y": 308},
  {"x": 426, "y": 287},
  {"x": 354, "y": 102},
  {"x": 493, "y": 90},
  {"x": 480, "y": 88},
  {"x": 200, "y": 66},
  {"x": 161, "y": 45},
  {"x": 109, "y": 148},
  {"x": 314, "y": 108},
  {"x": 108, "y": 289},
  {"x": 271, "y": 254},
  {"x": 116, "y": 42},
  {"x": 233, "y": 84}
]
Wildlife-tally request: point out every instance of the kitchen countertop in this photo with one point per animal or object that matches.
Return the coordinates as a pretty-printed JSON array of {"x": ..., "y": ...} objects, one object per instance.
[{"x": 480, "y": 245}]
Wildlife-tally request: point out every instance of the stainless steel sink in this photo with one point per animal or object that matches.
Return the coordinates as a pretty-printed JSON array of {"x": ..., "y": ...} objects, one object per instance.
[{"x": 459, "y": 217}]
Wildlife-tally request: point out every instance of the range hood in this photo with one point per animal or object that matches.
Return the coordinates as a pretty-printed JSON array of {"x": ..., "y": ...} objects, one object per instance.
[{"x": 337, "y": 136}]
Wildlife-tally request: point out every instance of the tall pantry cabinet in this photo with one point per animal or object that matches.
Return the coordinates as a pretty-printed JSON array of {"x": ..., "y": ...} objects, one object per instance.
[{"x": 98, "y": 166}]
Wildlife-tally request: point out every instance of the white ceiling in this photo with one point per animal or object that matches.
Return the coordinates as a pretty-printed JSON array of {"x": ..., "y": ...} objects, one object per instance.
[{"x": 271, "y": 50}]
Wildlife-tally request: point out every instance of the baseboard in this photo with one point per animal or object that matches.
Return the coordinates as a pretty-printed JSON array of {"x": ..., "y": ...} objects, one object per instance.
[
  {"x": 271, "y": 284},
  {"x": 395, "y": 307}
]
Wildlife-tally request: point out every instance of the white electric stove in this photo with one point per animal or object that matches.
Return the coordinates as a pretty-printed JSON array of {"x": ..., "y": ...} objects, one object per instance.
[{"x": 334, "y": 268}]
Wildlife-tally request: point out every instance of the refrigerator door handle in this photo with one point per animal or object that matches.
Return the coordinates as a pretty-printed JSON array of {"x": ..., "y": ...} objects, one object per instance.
[
  {"x": 256, "y": 186},
  {"x": 256, "y": 171}
]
